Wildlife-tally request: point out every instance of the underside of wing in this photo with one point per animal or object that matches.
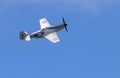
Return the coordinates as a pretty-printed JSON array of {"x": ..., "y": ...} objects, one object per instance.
[
  {"x": 44, "y": 23},
  {"x": 53, "y": 37}
]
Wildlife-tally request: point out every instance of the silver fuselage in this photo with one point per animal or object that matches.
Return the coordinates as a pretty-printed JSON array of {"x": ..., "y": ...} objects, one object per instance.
[{"x": 43, "y": 32}]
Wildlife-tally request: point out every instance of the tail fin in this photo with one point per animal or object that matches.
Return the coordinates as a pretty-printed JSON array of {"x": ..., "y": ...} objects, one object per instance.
[{"x": 24, "y": 36}]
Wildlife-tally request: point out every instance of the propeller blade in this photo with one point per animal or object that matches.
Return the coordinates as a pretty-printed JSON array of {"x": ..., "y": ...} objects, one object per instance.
[
  {"x": 63, "y": 20},
  {"x": 65, "y": 25},
  {"x": 66, "y": 29}
]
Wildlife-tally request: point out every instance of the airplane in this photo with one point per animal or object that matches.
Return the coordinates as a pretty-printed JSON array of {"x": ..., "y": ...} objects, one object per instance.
[{"x": 47, "y": 31}]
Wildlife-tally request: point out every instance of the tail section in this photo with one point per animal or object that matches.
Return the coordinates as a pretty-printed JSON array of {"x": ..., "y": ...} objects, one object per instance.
[{"x": 24, "y": 36}]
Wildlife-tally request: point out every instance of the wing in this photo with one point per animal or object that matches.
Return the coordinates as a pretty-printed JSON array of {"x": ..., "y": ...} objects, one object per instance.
[
  {"x": 53, "y": 37},
  {"x": 44, "y": 23}
]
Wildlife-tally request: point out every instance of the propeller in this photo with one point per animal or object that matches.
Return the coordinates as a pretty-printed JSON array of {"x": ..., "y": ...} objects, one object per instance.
[{"x": 65, "y": 25}]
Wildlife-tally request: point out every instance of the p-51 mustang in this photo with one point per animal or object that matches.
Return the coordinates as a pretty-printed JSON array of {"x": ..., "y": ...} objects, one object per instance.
[{"x": 47, "y": 31}]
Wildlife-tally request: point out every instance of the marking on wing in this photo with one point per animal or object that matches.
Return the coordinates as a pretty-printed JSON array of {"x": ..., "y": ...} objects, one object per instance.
[
  {"x": 55, "y": 39},
  {"x": 45, "y": 21}
]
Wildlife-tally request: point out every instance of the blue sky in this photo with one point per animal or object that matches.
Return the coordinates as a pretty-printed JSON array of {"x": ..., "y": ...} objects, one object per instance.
[{"x": 91, "y": 49}]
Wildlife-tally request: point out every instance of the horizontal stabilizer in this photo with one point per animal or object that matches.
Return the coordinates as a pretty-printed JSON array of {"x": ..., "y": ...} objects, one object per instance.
[{"x": 27, "y": 38}]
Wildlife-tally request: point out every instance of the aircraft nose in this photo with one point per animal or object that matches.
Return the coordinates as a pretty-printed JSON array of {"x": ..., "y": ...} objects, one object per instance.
[{"x": 66, "y": 24}]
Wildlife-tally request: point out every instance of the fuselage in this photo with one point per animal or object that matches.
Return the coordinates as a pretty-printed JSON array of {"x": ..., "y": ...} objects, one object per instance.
[{"x": 43, "y": 32}]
